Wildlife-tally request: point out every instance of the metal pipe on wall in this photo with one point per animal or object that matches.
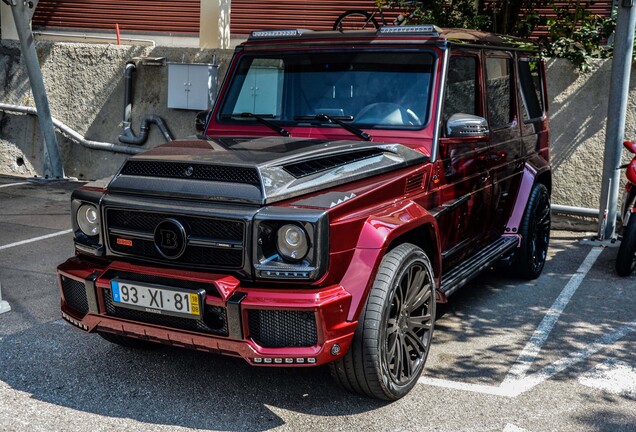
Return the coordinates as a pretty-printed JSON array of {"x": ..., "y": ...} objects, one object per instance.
[
  {"x": 129, "y": 136},
  {"x": 577, "y": 211},
  {"x": 95, "y": 145}
]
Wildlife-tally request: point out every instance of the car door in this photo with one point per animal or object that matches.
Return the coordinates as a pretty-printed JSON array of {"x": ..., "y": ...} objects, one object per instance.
[
  {"x": 503, "y": 159},
  {"x": 465, "y": 192}
]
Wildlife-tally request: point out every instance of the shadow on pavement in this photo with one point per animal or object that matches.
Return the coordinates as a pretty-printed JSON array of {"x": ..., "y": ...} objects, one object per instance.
[{"x": 168, "y": 386}]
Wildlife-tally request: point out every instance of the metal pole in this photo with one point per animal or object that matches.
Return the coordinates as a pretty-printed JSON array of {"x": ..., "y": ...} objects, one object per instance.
[
  {"x": 22, "y": 10},
  {"x": 616, "y": 113}
]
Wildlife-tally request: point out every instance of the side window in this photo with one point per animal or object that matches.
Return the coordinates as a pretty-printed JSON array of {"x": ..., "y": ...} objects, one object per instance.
[
  {"x": 499, "y": 92},
  {"x": 531, "y": 89},
  {"x": 462, "y": 90}
]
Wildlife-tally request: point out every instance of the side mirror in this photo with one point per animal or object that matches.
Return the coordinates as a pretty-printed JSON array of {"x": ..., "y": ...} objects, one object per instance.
[
  {"x": 201, "y": 120},
  {"x": 466, "y": 125},
  {"x": 630, "y": 146}
]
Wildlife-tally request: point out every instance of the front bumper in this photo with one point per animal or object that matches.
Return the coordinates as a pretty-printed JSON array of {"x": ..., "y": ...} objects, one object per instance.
[{"x": 271, "y": 327}]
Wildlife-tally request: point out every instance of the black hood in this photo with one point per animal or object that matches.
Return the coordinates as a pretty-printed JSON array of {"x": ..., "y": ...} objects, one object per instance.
[{"x": 256, "y": 170}]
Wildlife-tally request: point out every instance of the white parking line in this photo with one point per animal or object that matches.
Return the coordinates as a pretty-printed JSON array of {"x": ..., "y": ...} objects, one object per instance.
[
  {"x": 613, "y": 376},
  {"x": 534, "y": 345},
  {"x": 513, "y": 428},
  {"x": 44, "y": 237},
  {"x": 516, "y": 381},
  {"x": 13, "y": 184}
]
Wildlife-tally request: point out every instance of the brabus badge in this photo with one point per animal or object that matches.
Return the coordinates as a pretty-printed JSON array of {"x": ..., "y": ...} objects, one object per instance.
[{"x": 189, "y": 171}]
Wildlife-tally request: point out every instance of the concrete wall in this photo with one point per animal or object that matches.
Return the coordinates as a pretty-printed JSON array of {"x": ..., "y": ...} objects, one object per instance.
[
  {"x": 578, "y": 115},
  {"x": 85, "y": 88}
]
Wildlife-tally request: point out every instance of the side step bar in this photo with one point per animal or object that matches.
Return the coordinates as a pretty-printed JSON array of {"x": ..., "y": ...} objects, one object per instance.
[{"x": 464, "y": 272}]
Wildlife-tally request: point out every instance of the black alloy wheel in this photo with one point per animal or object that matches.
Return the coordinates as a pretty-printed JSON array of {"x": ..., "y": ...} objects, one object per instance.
[
  {"x": 409, "y": 325},
  {"x": 393, "y": 337},
  {"x": 535, "y": 234}
]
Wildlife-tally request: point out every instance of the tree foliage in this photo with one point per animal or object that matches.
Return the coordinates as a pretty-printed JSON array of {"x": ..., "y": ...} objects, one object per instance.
[{"x": 573, "y": 32}]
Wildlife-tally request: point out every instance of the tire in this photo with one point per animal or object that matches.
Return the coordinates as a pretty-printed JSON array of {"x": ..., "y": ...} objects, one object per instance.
[
  {"x": 626, "y": 258},
  {"x": 355, "y": 20},
  {"x": 128, "y": 342},
  {"x": 391, "y": 343},
  {"x": 535, "y": 235}
]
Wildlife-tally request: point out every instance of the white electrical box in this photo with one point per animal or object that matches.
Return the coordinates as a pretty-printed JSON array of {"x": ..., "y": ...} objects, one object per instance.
[{"x": 192, "y": 86}]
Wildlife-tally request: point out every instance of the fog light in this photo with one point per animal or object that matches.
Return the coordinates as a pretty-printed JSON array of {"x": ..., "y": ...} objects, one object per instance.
[{"x": 335, "y": 350}]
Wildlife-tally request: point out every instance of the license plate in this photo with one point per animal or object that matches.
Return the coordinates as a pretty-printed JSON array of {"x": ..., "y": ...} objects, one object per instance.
[{"x": 157, "y": 299}]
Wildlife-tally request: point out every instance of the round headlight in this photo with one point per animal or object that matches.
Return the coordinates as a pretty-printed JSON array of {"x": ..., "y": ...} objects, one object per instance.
[
  {"x": 292, "y": 242},
  {"x": 88, "y": 219}
]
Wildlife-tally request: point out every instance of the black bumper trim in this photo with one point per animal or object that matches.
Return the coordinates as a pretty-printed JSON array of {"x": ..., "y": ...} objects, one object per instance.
[{"x": 234, "y": 317}]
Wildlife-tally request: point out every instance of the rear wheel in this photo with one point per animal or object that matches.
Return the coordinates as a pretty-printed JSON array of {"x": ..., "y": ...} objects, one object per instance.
[
  {"x": 535, "y": 235},
  {"x": 392, "y": 340},
  {"x": 626, "y": 258},
  {"x": 355, "y": 20},
  {"x": 128, "y": 342}
]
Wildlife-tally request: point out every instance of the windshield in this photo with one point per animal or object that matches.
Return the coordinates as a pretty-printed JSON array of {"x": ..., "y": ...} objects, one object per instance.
[{"x": 371, "y": 89}]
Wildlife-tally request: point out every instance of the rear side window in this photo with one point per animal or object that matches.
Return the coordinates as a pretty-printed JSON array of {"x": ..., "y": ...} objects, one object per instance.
[
  {"x": 531, "y": 89},
  {"x": 462, "y": 88},
  {"x": 499, "y": 89}
]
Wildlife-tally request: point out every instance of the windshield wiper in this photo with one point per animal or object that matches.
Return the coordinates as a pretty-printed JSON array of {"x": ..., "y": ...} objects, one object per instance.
[
  {"x": 261, "y": 119},
  {"x": 338, "y": 120}
]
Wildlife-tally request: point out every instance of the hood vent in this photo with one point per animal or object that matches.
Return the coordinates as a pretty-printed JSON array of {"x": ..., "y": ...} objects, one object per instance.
[
  {"x": 314, "y": 166},
  {"x": 180, "y": 170}
]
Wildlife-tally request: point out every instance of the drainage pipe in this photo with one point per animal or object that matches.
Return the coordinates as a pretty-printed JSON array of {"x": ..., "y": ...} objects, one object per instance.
[
  {"x": 129, "y": 136},
  {"x": 95, "y": 145},
  {"x": 578, "y": 211}
]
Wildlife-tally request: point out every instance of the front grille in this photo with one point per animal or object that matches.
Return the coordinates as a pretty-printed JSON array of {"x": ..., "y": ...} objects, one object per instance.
[
  {"x": 75, "y": 294},
  {"x": 222, "y": 238},
  {"x": 228, "y": 174},
  {"x": 214, "y": 319},
  {"x": 314, "y": 166},
  {"x": 278, "y": 329},
  {"x": 215, "y": 229}
]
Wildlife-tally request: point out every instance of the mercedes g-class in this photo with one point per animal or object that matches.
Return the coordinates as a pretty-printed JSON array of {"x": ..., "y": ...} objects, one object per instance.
[{"x": 344, "y": 183}]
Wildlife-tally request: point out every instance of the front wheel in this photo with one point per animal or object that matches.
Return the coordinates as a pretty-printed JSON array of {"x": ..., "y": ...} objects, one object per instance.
[
  {"x": 392, "y": 340},
  {"x": 626, "y": 258},
  {"x": 355, "y": 20}
]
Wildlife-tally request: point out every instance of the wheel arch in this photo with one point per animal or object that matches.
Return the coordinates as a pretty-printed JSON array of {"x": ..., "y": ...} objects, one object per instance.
[{"x": 397, "y": 224}]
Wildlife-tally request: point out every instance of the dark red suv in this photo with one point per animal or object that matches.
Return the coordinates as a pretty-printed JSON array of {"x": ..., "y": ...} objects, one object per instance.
[{"x": 344, "y": 184}]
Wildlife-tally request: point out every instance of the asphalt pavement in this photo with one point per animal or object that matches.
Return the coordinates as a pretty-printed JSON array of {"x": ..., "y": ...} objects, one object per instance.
[{"x": 554, "y": 354}]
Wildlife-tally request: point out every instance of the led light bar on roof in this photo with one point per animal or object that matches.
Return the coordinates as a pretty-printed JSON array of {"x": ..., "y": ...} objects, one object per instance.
[
  {"x": 260, "y": 34},
  {"x": 428, "y": 29}
]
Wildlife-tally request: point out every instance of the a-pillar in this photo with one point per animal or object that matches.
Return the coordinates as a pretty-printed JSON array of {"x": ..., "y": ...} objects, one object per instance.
[{"x": 214, "y": 31}]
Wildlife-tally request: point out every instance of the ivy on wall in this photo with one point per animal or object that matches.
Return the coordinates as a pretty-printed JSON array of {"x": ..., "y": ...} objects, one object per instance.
[{"x": 573, "y": 33}]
